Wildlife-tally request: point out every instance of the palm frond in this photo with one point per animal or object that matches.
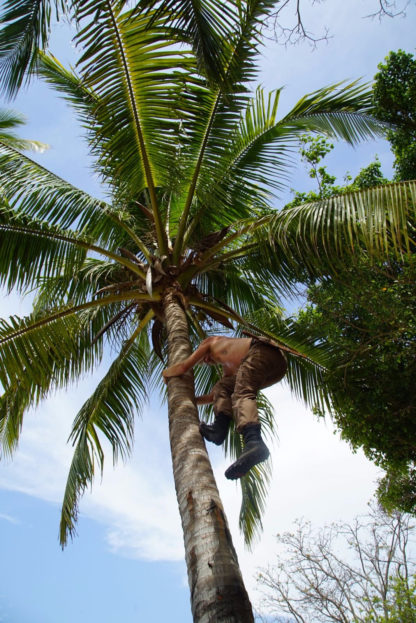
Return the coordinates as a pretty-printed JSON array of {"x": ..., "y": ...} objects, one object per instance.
[
  {"x": 48, "y": 346},
  {"x": 31, "y": 251},
  {"x": 13, "y": 403},
  {"x": 219, "y": 111},
  {"x": 90, "y": 278},
  {"x": 26, "y": 28},
  {"x": 254, "y": 490},
  {"x": 44, "y": 349},
  {"x": 378, "y": 219},
  {"x": 238, "y": 180},
  {"x": 48, "y": 253},
  {"x": 40, "y": 194},
  {"x": 111, "y": 410},
  {"x": 37, "y": 358},
  {"x": 9, "y": 120},
  {"x": 140, "y": 70},
  {"x": 342, "y": 110},
  {"x": 206, "y": 27}
]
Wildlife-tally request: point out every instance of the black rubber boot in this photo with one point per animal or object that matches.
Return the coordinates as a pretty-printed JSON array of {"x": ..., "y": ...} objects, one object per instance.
[
  {"x": 255, "y": 451},
  {"x": 217, "y": 431}
]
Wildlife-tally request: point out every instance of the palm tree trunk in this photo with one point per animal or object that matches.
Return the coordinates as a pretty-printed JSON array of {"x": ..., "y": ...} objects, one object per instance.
[{"x": 218, "y": 594}]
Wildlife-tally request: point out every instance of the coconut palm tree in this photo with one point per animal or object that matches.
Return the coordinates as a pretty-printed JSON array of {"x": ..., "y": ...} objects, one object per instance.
[{"x": 185, "y": 244}]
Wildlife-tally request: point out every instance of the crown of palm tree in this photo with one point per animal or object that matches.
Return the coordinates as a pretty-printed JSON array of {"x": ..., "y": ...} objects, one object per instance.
[{"x": 189, "y": 159}]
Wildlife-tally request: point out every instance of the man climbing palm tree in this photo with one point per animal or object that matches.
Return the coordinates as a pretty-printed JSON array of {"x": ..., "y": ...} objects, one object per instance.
[{"x": 249, "y": 364}]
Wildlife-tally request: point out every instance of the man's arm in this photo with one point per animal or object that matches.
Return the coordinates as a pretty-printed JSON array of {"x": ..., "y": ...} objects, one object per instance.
[
  {"x": 207, "y": 399},
  {"x": 198, "y": 355}
]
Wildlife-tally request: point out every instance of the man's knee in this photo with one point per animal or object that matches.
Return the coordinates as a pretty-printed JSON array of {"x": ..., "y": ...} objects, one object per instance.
[{"x": 245, "y": 411}]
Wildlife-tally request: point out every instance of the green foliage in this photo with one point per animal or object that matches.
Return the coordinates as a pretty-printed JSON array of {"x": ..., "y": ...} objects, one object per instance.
[
  {"x": 26, "y": 28},
  {"x": 313, "y": 150},
  {"x": 372, "y": 332},
  {"x": 394, "y": 95}
]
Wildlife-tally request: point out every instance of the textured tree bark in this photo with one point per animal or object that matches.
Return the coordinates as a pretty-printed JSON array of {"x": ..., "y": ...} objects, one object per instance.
[{"x": 218, "y": 594}]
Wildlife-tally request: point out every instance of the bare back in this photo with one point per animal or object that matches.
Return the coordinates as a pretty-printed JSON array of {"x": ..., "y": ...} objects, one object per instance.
[{"x": 229, "y": 352}]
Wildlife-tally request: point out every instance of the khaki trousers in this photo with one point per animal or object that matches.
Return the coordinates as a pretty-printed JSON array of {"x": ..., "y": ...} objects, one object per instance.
[{"x": 235, "y": 396}]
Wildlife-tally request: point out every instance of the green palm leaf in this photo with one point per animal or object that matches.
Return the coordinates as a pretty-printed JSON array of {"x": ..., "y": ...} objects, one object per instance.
[
  {"x": 206, "y": 27},
  {"x": 40, "y": 194},
  {"x": 94, "y": 275},
  {"x": 142, "y": 73},
  {"x": 52, "y": 346},
  {"x": 111, "y": 410},
  {"x": 32, "y": 250},
  {"x": 257, "y": 156},
  {"x": 37, "y": 356},
  {"x": 219, "y": 111},
  {"x": 26, "y": 29},
  {"x": 378, "y": 219},
  {"x": 14, "y": 401}
]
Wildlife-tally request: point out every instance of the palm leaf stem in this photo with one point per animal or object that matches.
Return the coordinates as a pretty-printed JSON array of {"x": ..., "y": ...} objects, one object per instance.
[
  {"x": 203, "y": 265},
  {"x": 230, "y": 313},
  {"x": 160, "y": 232},
  {"x": 137, "y": 296},
  {"x": 184, "y": 217},
  {"x": 196, "y": 325},
  {"x": 189, "y": 274},
  {"x": 251, "y": 225},
  {"x": 133, "y": 236},
  {"x": 112, "y": 321},
  {"x": 231, "y": 255},
  {"x": 79, "y": 243}
]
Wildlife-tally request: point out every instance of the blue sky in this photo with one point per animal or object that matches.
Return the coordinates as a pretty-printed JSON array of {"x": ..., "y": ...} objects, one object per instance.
[{"x": 127, "y": 561}]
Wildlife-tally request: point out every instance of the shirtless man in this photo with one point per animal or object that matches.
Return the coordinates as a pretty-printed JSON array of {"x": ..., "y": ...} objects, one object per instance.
[{"x": 249, "y": 364}]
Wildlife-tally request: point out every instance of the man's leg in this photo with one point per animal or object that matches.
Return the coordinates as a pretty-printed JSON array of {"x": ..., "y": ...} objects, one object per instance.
[
  {"x": 223, "y": 409},
  {"x": 263, "y": 366}
]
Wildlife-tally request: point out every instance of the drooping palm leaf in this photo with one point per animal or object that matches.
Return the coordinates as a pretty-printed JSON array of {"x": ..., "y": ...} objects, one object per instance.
[
  {"x": 32, "y": 251},
  {"x": 110, "y": 410},
  {"x": 37, "y": 357}
]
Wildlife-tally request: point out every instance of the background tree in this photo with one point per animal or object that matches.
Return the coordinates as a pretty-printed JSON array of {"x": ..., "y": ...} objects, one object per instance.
[
  {"x": 361, "y": 571},
  {"x": 185, "y": 238},
  {"x": 394, "y": 94}
]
